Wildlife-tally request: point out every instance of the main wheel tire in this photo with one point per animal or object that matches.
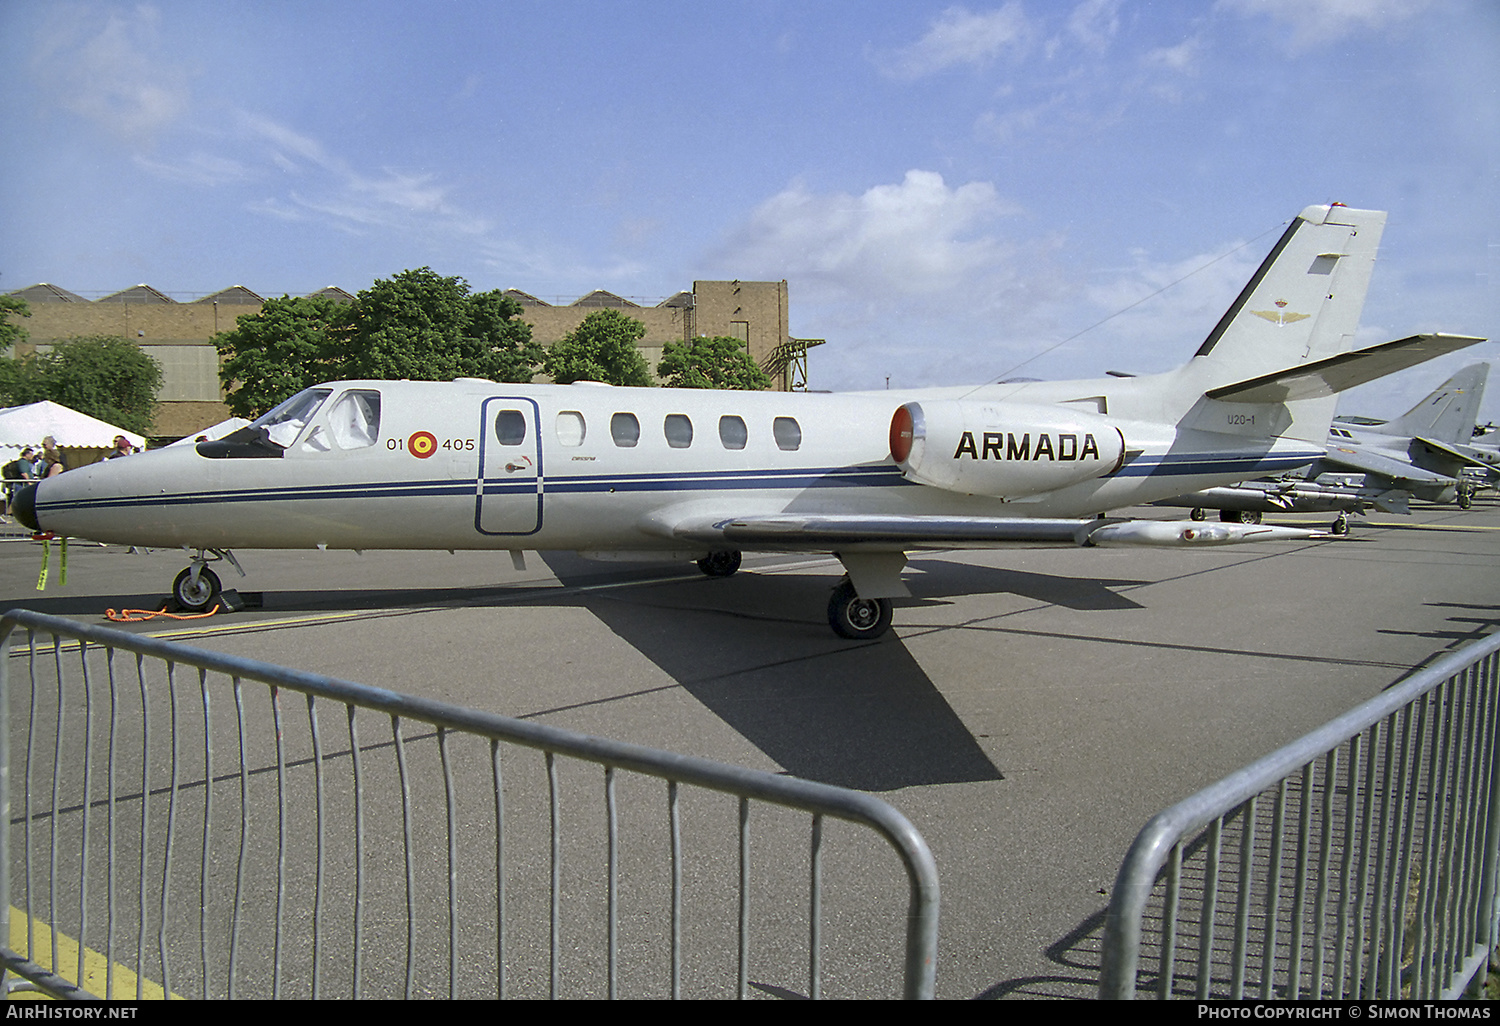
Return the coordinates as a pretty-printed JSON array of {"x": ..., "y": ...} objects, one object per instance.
[
  {"x": 720, "y": 564},
  {"x": 1341, "y": 525},
  {"x": 1197, "y": 513},
  {"x": 1254, "y": 517},
  {"x": 855, "y": 618},
  {"x": 1465, "y": 499},
  {"x": 196, "y": 598}
]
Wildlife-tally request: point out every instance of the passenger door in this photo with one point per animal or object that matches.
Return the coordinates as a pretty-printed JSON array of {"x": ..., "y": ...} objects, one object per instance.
[{"x": 508, "y": 493}]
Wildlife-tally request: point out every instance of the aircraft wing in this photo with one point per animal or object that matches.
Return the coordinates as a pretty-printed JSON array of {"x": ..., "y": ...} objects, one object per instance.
[
  {"x": 1327, "y": 377},
  {"x": 1372, "y": 463},
  {"x": 787, "y": 532}
]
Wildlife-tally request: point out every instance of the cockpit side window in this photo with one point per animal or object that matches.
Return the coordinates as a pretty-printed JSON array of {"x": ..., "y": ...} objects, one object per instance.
[{"x": 354, "y": 419}]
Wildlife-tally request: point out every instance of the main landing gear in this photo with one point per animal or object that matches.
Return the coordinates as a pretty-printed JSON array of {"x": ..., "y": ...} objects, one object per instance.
[
  {"x": 720, "y": 564},
  {"x": 197, "y": 588},
  {"x": 855, "y": 618}
]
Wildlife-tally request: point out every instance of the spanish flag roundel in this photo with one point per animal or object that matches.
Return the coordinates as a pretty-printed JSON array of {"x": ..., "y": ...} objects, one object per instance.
[{"x": 421, "y": 445}]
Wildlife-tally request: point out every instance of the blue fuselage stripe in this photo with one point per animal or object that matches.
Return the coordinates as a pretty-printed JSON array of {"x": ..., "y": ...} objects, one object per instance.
[{"x": 889, "y": 476}]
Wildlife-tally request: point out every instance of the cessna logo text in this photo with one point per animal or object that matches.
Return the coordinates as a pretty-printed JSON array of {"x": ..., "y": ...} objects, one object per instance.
[{"x": 1002, "y": 445}]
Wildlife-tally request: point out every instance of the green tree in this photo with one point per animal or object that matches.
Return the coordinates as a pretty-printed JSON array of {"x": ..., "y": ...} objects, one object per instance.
[
  {"x": 422, "y": 326},
  {"x": 717, "y": 362},
  {"x": 11, "y": 332},
  {"x": 602, "y": 348},
  {"x": 272, "y": 355},
  {"x": 415, "y": 325},
  {"x": 104, "y": 376}
]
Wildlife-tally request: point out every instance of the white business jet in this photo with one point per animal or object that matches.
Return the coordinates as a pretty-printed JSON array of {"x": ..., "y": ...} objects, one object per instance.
[{"x": 696, "y": 474}]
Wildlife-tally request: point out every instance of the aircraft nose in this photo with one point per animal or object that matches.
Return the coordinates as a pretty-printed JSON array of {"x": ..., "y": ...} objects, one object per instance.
[{"x": 23, "y": 506}]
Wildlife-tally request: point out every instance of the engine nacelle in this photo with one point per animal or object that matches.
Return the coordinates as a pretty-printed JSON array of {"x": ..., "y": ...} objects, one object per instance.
[{"x": 1006, "y": 450}]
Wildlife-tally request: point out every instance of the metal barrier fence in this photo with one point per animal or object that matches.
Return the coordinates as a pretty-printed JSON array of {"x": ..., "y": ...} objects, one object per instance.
[
  {"x": 1357, "y": 862},
  {"x": 209, "y": 826}
]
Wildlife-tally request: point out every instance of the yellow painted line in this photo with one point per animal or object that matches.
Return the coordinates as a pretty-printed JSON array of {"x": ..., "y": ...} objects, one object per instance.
[{"x": 95, "y": 965}]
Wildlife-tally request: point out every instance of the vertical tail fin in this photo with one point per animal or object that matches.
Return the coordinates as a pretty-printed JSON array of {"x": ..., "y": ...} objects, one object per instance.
[
  {"x": 1449, "y": 413},
  {"x": 1304, "y": 301},
  {"x": 1303, "y": 304}
]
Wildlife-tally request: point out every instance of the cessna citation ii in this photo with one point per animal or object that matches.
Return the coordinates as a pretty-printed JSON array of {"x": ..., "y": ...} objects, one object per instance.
[{"x": 696, "y": 474}]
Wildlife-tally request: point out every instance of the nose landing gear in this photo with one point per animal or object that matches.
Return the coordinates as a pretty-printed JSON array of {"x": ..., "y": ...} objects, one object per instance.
[{"x": 197, "y": 588}]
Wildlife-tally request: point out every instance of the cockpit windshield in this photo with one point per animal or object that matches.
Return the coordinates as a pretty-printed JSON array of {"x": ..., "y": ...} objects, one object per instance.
[
  {"x": 283, "y": 424},
  {"x": 269, "y": 436}
]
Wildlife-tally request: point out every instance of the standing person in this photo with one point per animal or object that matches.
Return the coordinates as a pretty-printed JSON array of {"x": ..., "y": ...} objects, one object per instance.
[
  {"x": 17, "y": 471},
  {"x": 122, "y": 448},
  {"x": 51, "y": 463}
]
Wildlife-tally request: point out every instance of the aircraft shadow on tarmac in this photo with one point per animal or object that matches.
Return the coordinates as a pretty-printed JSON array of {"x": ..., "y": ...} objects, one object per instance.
[
  {"x": 862, "y": 716},
  {"x": 756, "y": 650}
]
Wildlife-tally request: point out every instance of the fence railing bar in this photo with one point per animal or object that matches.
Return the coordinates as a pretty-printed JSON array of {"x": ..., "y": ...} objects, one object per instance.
[
  {"x": 355, "y": 767},
  {"x": 500, "y": 919},
  {"x": 320, "y": 855},
  {"x": 1241, "y": 940},
  {"x": 555, "y": 820},
  {"x": 140, "y": 935},
  {"x": 674, "y": 830},
  {"x": 743, "y": 988},
  {"x": 612, "y": 883},
  {"x": 1325, "y": 868},
  {"x": 815, "y": 912},
  {"x": 237, "y": 689},
  {"x": 281, "y": 838},
  {"x": 206, "y": 849},
  {"x": 111, "y": 770},
  {"x": 52, "y": 904},
  {"x": 408, "y": 855},
  {"x": 88, "y": 768},
  {"x": 450, "y": 821},
  {"x": 169, "y": 842}
]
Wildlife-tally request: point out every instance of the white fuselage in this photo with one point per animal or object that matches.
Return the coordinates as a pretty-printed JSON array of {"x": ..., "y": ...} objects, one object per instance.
[{"x": 480, "y": 465}]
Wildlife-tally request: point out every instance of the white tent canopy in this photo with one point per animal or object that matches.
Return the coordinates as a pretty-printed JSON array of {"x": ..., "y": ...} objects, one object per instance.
[{"x": 21, "y": 426}]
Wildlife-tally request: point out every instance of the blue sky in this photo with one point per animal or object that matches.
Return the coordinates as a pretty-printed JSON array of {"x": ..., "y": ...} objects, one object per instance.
[{"x": 950, "y": 190}]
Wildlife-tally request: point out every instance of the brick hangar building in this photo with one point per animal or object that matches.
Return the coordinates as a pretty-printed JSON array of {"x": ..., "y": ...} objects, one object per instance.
[{"x": 178, "y": 333}]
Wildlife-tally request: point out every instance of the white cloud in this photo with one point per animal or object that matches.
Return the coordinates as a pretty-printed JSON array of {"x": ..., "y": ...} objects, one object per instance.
[
  {"x": 1095, "y": 23},
  {"x": 1315, "y": 22},
  {"x": 962, "y": 37},
  {"x": 115, "y": 74},
  {"x": 915, "y": 237}
]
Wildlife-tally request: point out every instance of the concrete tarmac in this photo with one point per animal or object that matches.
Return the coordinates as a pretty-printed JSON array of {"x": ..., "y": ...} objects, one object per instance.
[{"x": 1030, "y": 710}]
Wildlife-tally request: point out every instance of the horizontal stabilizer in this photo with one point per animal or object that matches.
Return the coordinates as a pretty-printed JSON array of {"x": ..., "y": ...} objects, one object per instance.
[
  {"x": 1455, "y": 453},
  {"x": 1323, "y": 378}
]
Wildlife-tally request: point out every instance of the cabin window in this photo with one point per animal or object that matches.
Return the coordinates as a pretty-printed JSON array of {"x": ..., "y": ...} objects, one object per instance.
[
  {"x": 625, "y": 429},
  {"x": 571, "y": 428},
  {"x": 354, "y": 420},
  {"x": 732, "y": 432},
  {"x": 788, "y": 433},
  {"x": 510, "y": 427},
  {"x": 678, "y": 429}
]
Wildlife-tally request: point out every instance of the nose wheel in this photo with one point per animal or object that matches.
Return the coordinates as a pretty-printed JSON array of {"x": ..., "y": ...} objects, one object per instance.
[
  {"x": 196, "y": 589},
  {"x": 855, "y": 618}
]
